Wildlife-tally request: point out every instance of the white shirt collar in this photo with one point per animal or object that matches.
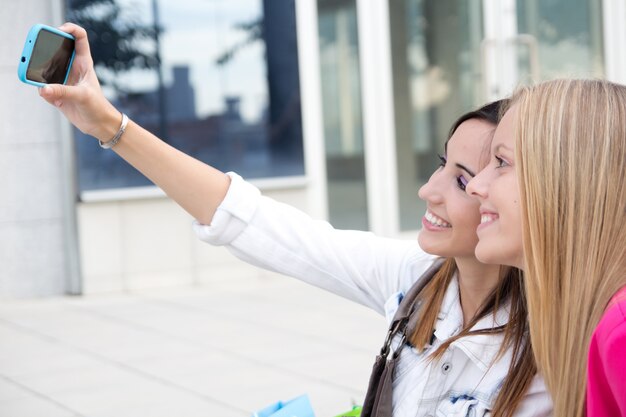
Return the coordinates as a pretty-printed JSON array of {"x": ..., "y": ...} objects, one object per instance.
[{"x": 481, "y": 349}]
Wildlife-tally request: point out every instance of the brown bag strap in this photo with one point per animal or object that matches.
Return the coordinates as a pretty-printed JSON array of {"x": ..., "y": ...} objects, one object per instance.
[{"x": 378, "y": 400}]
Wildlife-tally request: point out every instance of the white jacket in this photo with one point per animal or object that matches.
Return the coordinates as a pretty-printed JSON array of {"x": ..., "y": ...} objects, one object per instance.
[{"x": 375, "y": 272}]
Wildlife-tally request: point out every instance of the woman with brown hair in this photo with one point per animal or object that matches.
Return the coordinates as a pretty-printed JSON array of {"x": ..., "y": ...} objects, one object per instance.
[{"x": 465, "y": 351}]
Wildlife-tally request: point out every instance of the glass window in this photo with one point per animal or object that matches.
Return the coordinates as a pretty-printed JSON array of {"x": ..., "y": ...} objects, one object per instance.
[
  {"x": 216, "y": 79},
  {"x": 565, "y": 36},
  {"x": 341, "y": 102},
  {"x": 437, "y": 76}
]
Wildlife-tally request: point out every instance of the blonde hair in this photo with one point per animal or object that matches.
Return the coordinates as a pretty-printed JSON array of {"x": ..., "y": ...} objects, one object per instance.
[{"x": 571, "y": 166}]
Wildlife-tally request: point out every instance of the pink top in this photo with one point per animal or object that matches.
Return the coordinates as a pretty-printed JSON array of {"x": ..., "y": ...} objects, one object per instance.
[{"x": 606, "y": 383}]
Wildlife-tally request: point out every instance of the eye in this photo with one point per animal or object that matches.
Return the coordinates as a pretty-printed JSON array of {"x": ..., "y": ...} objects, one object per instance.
[
  {"x": 501, "y": 163},
  {"x": 462, "y": 182},
  {"x": 442, "y": 160}
]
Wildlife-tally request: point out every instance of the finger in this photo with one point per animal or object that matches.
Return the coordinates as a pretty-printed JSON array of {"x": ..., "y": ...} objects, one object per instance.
[
  {"x": 82, "y": 43},
  {"x": 56, "y": 94}
]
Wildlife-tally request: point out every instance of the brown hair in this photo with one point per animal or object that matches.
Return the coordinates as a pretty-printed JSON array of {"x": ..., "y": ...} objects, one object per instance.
[{"x": 510, "y": 287}]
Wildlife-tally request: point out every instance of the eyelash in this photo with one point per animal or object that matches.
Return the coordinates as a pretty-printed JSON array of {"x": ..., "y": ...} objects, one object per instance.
[
  {"x": 501, "y": 162},
  {"x": 460, "y": 180}
]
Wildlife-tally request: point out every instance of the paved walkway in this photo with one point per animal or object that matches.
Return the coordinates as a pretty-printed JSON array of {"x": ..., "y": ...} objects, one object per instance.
[{"x": 201, "y": 351}]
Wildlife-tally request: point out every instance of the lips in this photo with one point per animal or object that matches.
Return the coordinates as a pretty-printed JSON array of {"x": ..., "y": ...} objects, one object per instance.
[{"x": 487, "y": 218}]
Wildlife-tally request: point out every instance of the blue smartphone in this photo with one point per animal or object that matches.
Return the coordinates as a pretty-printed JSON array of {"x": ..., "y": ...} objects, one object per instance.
[{"x": 47, "y": 56}]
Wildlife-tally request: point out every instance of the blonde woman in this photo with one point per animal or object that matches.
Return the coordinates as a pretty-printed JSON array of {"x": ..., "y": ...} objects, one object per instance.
[
  {"x": 468, "y": 353},
  {"x": 553, "y": 202}
]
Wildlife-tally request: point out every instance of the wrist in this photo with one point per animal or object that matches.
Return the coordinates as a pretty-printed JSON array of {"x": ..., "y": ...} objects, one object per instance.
[
  {"x": 111, "y": 143},
  {"x": 108, "y": 125}
]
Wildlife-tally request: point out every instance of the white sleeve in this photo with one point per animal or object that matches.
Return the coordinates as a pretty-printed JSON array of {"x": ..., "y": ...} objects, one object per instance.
[{"x": 357, "y": 265}]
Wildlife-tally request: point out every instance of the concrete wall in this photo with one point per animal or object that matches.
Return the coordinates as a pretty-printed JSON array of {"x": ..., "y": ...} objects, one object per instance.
[
  {"x": 33, "y": 222},
  {"x": 149, "y": 242}
]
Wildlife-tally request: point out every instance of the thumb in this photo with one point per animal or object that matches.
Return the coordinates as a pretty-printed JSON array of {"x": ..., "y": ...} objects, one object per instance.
[{"x": 57, "y": 94}]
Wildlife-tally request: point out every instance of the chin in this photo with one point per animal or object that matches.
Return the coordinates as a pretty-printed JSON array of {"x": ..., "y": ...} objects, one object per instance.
[
  {"x": 428, "y": 245},
  {"x": 424, "y": 245},
  {"x": 434, "y": 249},
  {"x": 494, "y": 255}
]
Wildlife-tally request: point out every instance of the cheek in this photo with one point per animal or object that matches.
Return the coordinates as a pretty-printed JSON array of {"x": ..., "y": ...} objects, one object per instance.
[
  {"x": 513, "y": 207},
  {"x": 466, "y": 214},
  {"x": 517, "y": 222}
]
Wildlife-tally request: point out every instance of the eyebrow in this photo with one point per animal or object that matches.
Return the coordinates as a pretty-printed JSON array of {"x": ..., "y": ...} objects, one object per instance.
[
  {"x": 500, "y": 146},
  {"x": 466, "y": 169}
]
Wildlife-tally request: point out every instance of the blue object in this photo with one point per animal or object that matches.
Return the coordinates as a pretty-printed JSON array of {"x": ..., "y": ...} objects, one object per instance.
[
  {"x": 298, "y": 407},
  {"x": 47, "y": 56}
]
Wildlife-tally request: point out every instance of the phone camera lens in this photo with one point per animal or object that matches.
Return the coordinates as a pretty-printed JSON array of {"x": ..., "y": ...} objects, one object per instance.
[{"x": 23, "y": 59}]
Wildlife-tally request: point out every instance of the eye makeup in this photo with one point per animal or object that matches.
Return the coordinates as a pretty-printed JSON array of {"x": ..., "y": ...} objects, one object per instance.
[{"x": 462, "y": 181}]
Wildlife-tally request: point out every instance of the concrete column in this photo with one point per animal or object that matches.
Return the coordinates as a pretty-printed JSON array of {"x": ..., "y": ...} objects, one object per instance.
[{"x": 36, "y": 217}]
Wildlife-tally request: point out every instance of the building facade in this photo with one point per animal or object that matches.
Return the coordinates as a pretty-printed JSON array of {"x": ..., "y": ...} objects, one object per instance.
[{"x": 338, "y": 107}]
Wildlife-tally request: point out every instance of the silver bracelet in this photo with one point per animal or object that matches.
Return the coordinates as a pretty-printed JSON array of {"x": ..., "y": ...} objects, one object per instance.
[{"x": 118, "y": 135}]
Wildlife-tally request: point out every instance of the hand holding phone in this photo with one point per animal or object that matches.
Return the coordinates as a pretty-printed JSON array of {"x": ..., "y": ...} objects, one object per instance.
[
  {"x": 47, "y": 56},
  {"x": 80, "y": 99}
]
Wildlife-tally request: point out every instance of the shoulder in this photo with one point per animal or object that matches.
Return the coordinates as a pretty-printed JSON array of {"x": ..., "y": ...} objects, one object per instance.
[
  {"x": 612, "y": 325},
  {"x": 606, "y": 386},
  {"x": 608, "y": 343}
]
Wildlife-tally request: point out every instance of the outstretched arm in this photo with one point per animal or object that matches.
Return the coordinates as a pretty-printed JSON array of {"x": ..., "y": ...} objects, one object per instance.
[{"x": 194, "y": 185}]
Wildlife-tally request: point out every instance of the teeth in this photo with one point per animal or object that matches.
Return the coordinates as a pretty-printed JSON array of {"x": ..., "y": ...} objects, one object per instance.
[
  {"x": 486, "y": 218},
  {"x": 435, "y": 221}
]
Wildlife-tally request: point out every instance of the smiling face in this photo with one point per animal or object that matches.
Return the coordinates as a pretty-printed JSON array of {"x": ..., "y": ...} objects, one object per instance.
[
  {"x": 451, "y": 218},
  {"x": 496, "y": 188}
]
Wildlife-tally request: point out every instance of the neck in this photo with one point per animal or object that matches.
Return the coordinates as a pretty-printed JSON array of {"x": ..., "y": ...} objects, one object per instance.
[{"x": 476, "y": 281}]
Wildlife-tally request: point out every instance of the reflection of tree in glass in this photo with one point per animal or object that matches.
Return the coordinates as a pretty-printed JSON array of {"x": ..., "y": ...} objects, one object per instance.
[
  {"x": 254, "y": 31},
  {"x": 118, "y": 43},
  {"x": 276, "y": 28}
]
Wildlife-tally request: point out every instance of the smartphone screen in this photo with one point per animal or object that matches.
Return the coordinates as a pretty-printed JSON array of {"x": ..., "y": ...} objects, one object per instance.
[{"x": 50, "y": 59}]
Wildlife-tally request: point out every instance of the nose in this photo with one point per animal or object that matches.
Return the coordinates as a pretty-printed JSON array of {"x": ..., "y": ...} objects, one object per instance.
[
  {"x": 477, "y": 187},
  {"x": 430, "y": 192}
]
